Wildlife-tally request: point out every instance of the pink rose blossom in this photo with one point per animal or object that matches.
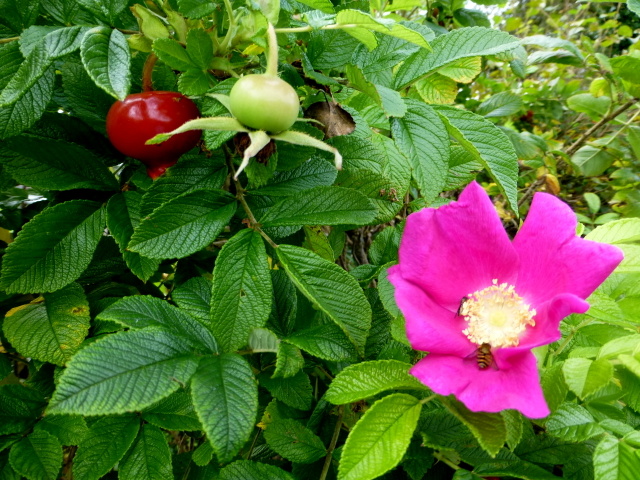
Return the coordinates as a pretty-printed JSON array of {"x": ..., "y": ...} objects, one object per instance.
[{"x": 478, "y": 302}]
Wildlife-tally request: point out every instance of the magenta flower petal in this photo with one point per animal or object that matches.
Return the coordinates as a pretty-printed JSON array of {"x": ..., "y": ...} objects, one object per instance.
[
  {"x": 548, "y": 318},
  {"x": 513, "y": 385},
  {"x": 553, "y": 259},
  {"x": 457, "y": 248},
  {"x": 430, "y": 327}
]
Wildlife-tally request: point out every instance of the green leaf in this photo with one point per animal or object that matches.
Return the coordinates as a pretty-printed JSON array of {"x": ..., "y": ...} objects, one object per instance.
[
  {"x": 188, "y": 175},
  {"x": 248, "y": 470},
  {"x": 107, "y": 9},
  {"x": 625, "y": 230},
  {"x": 54, "y": 248},
  {"x": 123, "y": 217},
  {"x": 105, "y": 55},
  {"x": 183, "y": 225},
  {"x": 628, "y": 345},
  {"x": 69, "y": 429},
  {"x": 241, "y": 294},
  {"x": 289, "y": 361},
  {"x": 225, "y": 396},
  {"x": 369, "y": 25},
  {"x": 20, "y": 408},
  {"x": 173, "y": 54},
  {"x": 573, "y": 423},
  {"x": 101, "y": 377},
  {"x": 592, "y": 161},
  {"x": 380, "y": 439},
  {"x": 384, "y": 248},
  {"x": 203, "y": 455},
  {"x": 422, "y": 136},
  {"x": 321, "y": 206},
  {"x": 331, "y": 289},
  {"x": 55, "y": 164},
  {"x": 316, "y": 241},
  {"x": 323, "y": 5},
  {"x": 328, "y": 342},
  {"x": 315, "y": 172},
  {"x": 194, "y": 297},
  {"x": 501, "y": 104},
  {"x": 284, "y": 304},
  {"x": 105, "y": 444},
  {"x": 138, "y": 312},
  {"x": 613, "y": 459},
  {"x": 364, "y": 380},
  {"x": 38, "y": 456},
  {"x": 594, "y": 107},
  {"x": 149, "y": 457},
  {"x": 584, "y": 376},
  {"x": 51, "y": 331},
  {"x": 489, "y": 145},
  {"x": 176, "y": 412},
  {"x": 27, "y": 104},
  {"x": 194, "y": 82},
  {"x": 199, "y": 48},
  {"x": 437, "y": 89},
  {"x": 263, "y": 340},
  {"x": 293, "y": 441},
  {"x": 10, "y": 61},
  {"x": 295, "y": 391},
  {"x": 488, "y": 428},
  {"x": 457, "y": 44}
]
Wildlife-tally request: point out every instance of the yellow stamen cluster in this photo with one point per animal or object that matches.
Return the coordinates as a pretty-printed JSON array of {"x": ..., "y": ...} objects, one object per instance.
[{"x": 496, "y": 315}]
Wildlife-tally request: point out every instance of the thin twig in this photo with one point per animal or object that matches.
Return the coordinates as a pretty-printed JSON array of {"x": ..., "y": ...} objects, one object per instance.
[
  {"x": 604, "y": 120},
  {"x": 8, "y": 40},
  {"x": 332, "y": 444},
  {"x": 532, "y": 188}
]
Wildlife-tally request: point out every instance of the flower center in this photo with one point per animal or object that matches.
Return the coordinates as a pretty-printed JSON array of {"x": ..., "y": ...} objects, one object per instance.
[{"x": 496, "y": 315}]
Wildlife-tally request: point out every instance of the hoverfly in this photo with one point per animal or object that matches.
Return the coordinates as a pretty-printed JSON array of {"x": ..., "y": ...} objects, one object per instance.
[
  {"x": 462, "y": 302},
  {"x": 484, "y": 358}
]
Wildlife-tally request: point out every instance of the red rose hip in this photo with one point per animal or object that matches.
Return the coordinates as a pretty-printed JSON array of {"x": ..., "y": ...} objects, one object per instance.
[{"x": 141, "y": 116}]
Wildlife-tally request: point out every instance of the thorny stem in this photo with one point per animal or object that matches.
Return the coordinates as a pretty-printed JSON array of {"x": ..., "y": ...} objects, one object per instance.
[
  {"x": 147, "y": 73},
  {"x": 232, "y": 27},
  {"x": 253, "y": 223},
  {"x": 7, "y": 40},
  {"x": 585, "y": 136},
  {"x": 332, "y": 444},
  {"x": 272, "y": 53}
]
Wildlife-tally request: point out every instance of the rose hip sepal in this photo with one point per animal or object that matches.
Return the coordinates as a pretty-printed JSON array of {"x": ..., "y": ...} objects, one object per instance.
[
  {"x": 141, "y": 116},
  {"x": 478, "y": 303}
]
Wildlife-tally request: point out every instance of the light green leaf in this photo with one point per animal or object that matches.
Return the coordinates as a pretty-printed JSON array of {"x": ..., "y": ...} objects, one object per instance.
[
  {"x": 292, "y": 440},
  {"x": 183, "y": 225},
  {"x": 323, "y": 5},
  {"x": 225, "y": 396},
  {"x": 631, "y": 363},
  {"x": 241, "y": 294},
  {"x": 123, "y": 217},
  {"x": 199, "y": 48},
  {"x": 592, "y": 161},
  {"x": 51, "y": 331},
  {"x": 457, "y": 44},
  {"x": 55, "y": 164},
  {"x": 173, "y": 54},
  {"x": 489, "y": 145},
  {"x": 149, "y": 457},
  {"x": 584, "y": 376},
  {"x": 101, "y": 377},
  {"x": 501, "y": 104},
  {"x": 54, "y": 248},
  {"x": 615, "y": 460},
  {"x": 463, "y": 70},
  {"x": 105, "y": 444},
  {"x": 140, "y": 311},
  {"x": 629, "y": 345},
  {"x": 573, "y": 423},
  {"x": 248, "y": 470},
  {"x": 594, "y": 107},
  {"x": 380, "y": 439},
  {"x": 26, "y": 79},
  {"x": 364, "y": 380},
  {"x": 422, "y": 136},
  {"x": 370, "y": 25},
  {"x": 289, "y": 361},
  {"x": 263, "y": 340},
  {"x": 331, "y": 289},
  {"x": 488, "y": 428},
  {"x": 194, "y": 82},
  {"x": 38, "y": 456},
  {"x": 321, "y": 206},
  {"x": 105, "y": 55},
  {"x": 437, "y": 89},
  {"x": 176, "y": 412},
  {"x": 626, "y": 67},
  {"x": 625, "y": 230},
  {"x": 327, "y": 341}
]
